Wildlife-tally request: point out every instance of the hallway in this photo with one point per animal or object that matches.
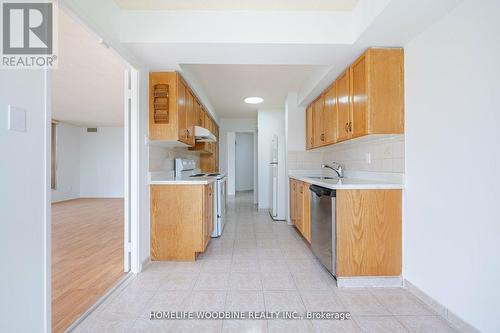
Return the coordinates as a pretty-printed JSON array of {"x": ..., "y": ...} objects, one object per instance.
[{"x": 257, "y": 265}]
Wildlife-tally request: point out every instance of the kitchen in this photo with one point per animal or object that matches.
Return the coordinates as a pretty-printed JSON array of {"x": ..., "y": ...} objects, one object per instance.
[{"x": 317, "y": 157}]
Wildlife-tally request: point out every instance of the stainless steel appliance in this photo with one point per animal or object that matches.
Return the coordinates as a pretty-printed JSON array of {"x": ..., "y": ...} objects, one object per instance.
[
  {"x": 186, "y": 169},
  {"x": 323, "y": 228},
  {"x": 220, "y": 205}
]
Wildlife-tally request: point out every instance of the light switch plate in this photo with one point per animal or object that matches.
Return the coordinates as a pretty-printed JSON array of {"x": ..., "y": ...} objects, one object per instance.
[{"x": 17, "y": 119}]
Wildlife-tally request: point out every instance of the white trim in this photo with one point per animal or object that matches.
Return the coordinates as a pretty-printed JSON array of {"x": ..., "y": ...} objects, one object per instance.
[
  {"x": 47, "y": 225},
  {"x": 443, "y": 311},
  {"x": 135, "y": 178},
  {"x": 369, "y": 282},
  {"x": 127, "y": 175}
]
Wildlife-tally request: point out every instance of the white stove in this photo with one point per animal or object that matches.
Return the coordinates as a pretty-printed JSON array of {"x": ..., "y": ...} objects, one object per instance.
[{"x": 187, "y": 168}]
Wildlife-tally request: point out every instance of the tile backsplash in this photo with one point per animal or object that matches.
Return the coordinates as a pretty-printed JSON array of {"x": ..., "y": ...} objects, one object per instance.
[
  {"x": 375, "y": 154},
  {"x": 163, "y": 159}
]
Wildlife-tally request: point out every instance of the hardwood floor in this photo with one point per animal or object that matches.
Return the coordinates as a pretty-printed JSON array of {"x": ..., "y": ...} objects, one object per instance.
[{"x": 87, "y": 255}]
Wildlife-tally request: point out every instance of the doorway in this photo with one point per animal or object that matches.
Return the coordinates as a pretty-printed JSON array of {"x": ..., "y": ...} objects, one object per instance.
[
  {"x": 244, "y": 162},
  {"x": 93, "y": 157}
]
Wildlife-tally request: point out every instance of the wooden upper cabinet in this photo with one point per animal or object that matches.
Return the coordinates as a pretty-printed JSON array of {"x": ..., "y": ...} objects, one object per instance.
[
  {"x": 359, "y": 97},
  {"x": 330, "y": 115},
  {"x": 318, "y": 135},
  {"x": 367, "y": 98},
  {"x": 182, "y": 111},
  {"x": 190, "y": 118},
  {"x": 174, "y": 109},
  {"x": 343, "y": 106},
  {"x": 309, "y": 127}
]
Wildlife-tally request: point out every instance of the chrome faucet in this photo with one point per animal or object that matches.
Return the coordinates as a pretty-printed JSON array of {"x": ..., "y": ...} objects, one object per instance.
[{"x": 336, "y": 167}]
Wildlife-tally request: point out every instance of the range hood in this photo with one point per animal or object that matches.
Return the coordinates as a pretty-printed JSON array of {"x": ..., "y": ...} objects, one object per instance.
[{"x": 203, "y": 135}]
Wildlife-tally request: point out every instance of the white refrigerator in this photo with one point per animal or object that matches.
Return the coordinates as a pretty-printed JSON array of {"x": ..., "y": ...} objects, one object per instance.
[{"x": 277, "y": 164}]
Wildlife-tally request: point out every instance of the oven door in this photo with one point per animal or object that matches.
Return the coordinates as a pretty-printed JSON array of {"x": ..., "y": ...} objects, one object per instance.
[{"x": 221, "y": 208}]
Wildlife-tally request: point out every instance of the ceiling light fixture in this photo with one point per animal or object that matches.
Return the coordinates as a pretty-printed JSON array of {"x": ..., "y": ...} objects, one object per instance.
[{"x": 254, "y": 100}]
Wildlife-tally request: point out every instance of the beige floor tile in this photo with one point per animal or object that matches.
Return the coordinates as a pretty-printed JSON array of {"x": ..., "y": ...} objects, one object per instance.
[
  {"x": 310, "y": 281},
  {"x": 400, "y": 302},
  {"x": 245, "y": 281},
  {"x": 322, "y": 301},
  {"x": 169, "y": 300},
  {"x": 361, "y": 302},
  {"x": 426, "y": 324},
  {"x": 337, "y": 326},
  {"x": 238, "y": 300},
  {"x": 277, "y": 281},
  {"x": 244, "y": 326},
  {"x": 212, "y": 281},
  {"x": 283, "y": 301},
  {"x": 380, "y": 324},
  {"x": 198, "y": 326},
  {"x": 177, "y": 281},
  {"x": 289, "y": 326},
  {"x": 273, "y": 265},
  {"x": 206, "y": 301},
  {"x": 153, "y": 326},
  {"x": 246, "y": 264}
]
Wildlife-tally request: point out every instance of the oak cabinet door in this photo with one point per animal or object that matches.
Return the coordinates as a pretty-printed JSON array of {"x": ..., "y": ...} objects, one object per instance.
[
  {"x": 330, "y": 115},
  {"x": 343, "y": 106},
  {"x": 309, "y": 127},
  {"x": 300, "y": 203},
  {"x": 181, "y": 113},
  {"x": 359, "y": 98},
  {"x": 190, "y": 118},
  {"x": 318, "y": 135}
]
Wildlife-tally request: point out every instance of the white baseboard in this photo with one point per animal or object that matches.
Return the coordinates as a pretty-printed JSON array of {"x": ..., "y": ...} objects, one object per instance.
[
  {"x": 145, "y": 263},
  {"x": 369, "y": 282},
  {"x": 443, "y": 311}
]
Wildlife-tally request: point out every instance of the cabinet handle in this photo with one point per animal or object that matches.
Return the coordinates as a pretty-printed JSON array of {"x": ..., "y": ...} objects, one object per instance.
[
  {"x": 322, "y": 137},
  {"x": 346, "y": 127},
  {"x": 350, "y": 126}
]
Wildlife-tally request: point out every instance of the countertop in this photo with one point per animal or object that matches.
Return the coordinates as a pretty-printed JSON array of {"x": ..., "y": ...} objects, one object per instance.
[
  {"x": 350, "y": 182},
  {"x": 165, "y": 178}
]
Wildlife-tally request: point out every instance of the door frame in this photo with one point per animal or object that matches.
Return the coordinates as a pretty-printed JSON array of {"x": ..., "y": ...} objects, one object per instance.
[{"x": 132, "y": 262}]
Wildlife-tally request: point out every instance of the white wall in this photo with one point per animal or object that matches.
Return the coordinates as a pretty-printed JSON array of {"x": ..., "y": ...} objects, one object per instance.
[
  {"x": 230, "y": 147},
  {"x": 452, "y": 229},
  {"x": 102, "y": 163},
  {"x": 67, "y": 163},
  {"x": 270, "y": 123},
  {"x": 232, "y": 125},
  {"x": 244, "y": 161},
  {"x": 24, "y": 205}
]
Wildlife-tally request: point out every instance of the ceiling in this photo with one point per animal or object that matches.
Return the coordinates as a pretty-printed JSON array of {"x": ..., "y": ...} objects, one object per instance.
[
  {"x": 227, "y": 85},
  {"x": 243, "y": 5},
  {"x": 87, "y": 86}
]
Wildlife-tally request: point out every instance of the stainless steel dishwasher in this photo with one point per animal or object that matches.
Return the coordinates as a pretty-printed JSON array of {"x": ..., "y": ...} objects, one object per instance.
[{"x": 323, "y": 230}]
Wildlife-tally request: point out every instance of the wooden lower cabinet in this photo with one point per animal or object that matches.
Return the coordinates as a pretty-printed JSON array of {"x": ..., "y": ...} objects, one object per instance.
[
  {"x": 300, "y": 207},
  {"x": 369, "y": 232},
  {"x": 181, "y": 220}
]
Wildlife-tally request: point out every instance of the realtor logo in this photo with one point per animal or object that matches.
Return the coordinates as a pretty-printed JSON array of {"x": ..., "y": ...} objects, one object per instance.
[{"x": 28, "y": 34}]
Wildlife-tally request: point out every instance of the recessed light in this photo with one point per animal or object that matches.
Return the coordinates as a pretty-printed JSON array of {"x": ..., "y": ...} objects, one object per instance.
[{"x": 254, "y": 100}]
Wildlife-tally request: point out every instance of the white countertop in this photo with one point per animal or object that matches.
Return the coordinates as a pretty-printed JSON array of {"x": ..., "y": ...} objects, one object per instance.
[
  {"x": 348, "y": 183},
  {"x": 166, "y": 178}
]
